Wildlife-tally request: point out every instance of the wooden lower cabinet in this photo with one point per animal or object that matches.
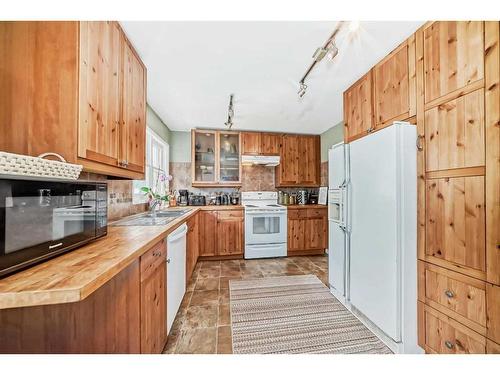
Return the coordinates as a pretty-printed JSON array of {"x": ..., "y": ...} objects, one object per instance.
[
  {"x": 307, "y": 230},
  {"x": 221, "y": 233},
  {"x": 445, "y": 335},
  {"x": 107, "y": 321},
  {"x": 193, "y": 244},
  {"x": 153, "y": 300}
]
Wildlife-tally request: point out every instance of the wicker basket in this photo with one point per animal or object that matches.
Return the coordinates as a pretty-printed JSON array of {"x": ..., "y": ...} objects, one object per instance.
[{"x": 29, "y": 166}]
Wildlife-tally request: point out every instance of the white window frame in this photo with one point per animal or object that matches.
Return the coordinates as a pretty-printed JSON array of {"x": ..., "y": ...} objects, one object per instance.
[{"x": 157, "y": 158}]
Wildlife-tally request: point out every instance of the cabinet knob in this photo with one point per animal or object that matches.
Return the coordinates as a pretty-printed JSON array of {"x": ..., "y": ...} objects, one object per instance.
[
  {"x": 449, "y": 294},
  {"x": 449, "y": 344},
  {"x": 420, "y": 147},
  {"x": 168, "y": 260}
]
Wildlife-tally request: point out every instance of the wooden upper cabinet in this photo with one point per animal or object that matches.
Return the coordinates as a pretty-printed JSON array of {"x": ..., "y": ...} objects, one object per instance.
[
  {"x": 358, "y": 108},
  {"x": 288, "y": 172},
  {"x": 391, "y": 87},
  {"x": 250, "y": 143},
  {"x": 453, "y": 56},
  {"x": 270, "y": 144},
  {"x": 230, "y": 232},
  {"x": 308, "y": 161},
  {"x": 98, "y": 133},
  {"x": 133, "y": 115},
  {"x": 455, "y": 133},
  {"x": 39, "y": 84}
]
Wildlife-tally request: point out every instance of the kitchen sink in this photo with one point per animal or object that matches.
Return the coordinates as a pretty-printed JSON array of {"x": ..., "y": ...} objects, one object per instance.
[{"x": 146, "y": 219}]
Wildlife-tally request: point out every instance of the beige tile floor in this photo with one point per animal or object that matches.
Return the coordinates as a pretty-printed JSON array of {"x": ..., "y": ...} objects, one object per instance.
[{"x": 203, "y": 325}]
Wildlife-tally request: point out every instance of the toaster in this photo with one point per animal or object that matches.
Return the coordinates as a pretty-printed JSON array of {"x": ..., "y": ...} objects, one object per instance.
[{"x": 197, "y": 200}]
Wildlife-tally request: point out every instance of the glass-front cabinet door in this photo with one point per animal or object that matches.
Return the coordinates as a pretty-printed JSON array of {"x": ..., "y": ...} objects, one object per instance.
[
  {"x": 229, "y": 158},
  {"x": 204, "y": 150}
]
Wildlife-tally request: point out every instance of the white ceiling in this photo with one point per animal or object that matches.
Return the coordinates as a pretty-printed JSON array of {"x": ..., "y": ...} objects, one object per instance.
[{"x": 194, "y": 66}]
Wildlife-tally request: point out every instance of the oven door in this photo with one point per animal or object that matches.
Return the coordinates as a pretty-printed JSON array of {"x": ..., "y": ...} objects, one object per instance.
[{"x": 265, "y": 227}]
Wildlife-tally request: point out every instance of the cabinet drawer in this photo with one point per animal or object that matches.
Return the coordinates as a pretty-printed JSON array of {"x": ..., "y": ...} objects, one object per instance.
[
  {"x": 316, "y": 213},
  {"x": 153, "y": 258},
  {"x": 457, "y": 295},
  {"x": 230, "y": 214},
  {"x": 447, "y": 336},
  {"x": 297, "y": 214}
]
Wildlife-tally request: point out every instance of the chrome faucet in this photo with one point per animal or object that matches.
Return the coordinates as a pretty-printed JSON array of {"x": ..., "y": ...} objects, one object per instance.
[{"x": 153, "y": 203}]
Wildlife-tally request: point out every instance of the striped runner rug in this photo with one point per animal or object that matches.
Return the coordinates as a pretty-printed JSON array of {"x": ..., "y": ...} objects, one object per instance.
[{"x": 294, "y": 314}]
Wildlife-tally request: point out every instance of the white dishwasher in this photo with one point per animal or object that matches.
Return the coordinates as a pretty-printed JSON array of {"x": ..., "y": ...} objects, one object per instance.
[{"x": 176, "y": 272}]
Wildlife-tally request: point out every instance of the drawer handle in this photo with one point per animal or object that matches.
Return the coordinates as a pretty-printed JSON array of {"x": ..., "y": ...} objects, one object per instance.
[
  {"x": 449, "y": 344},
  {"x": 157, "y": 254},
  {"x": 449, "y": 294},
  {"x": 419, "y": 143}
]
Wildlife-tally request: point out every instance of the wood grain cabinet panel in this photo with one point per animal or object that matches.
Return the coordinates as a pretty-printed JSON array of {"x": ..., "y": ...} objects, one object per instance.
[
  {"x": 453, "y": 56},
  {"x": 461, "y": 297},
  {"x": 133, "y": 113},
  {"x": 455, "y": 223},
  {"x": 455, "y": 133},
  {"x": 307, "y": 230},
  {"x": 270, "y": 144},
  {"x": 39, "y": 81},
  {"x": 308, "y": 161},
  {"x": 447, "y": 336},
  {"x": 98, "y": 133},
  {"x": 288, "y": 170},
  {"x": 493, "y": 312},
  {"x": 358, "y": 108},
  {"x": 153, "y": 311},
  {"x": 251, "y": 143},
  {"x": 391, "y": 87},
  {"x": 208, "y": 233},
  {"x": 296, "y": 234},
  {"x": 230, "y": 235}
]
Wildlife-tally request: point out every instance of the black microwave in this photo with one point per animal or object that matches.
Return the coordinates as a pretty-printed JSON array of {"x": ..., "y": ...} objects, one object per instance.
[{"x": 42, "y": 219}]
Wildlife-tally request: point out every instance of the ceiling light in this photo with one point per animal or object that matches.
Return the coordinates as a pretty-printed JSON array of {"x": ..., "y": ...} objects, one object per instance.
[
  {"x": 230, "y": 113},
  {"x": 353, "y": 26},
  {"x": 302, "y": 89},
  {"x": 332, "y": 50}
]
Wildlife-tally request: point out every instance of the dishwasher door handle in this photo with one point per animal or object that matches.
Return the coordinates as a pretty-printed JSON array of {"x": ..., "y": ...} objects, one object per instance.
[{"x": 178, "y": 233}]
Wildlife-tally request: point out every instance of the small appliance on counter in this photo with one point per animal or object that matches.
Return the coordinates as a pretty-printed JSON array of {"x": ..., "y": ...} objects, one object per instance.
[
  {"x": 197, "y": 200},
  {"x": 183, "y": 199},
  {"x": 54, "y": 217},
  {"x": 302, "y": 197},
  {"x": 313, "y": 198},
  {"x": 234, "y": 198}
]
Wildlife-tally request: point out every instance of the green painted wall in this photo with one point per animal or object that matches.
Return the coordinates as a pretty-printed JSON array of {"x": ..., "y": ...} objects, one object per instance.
[
  {"x": 330, "y": 137},
  {"x": 180, "y": 146},
  {"x": 158, "y": 126}
]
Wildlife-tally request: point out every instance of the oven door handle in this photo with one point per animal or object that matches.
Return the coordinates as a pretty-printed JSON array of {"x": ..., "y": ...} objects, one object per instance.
[{"x": 265, "y": 212}]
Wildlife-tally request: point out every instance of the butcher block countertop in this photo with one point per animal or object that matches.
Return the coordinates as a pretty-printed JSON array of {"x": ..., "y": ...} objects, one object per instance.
[
  {"x": 304, "y": 206},
  {"x": 73, "y": 276}
]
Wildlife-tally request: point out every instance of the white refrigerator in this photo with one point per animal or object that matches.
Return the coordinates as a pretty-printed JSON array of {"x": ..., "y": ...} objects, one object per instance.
[{"x": 373, "y": 247}]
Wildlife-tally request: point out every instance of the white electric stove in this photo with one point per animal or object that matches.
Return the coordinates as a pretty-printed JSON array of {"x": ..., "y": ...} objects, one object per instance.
[{"x": 265, "y": 225}]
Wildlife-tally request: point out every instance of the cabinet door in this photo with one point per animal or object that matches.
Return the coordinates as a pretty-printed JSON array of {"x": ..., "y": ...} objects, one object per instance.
[
  {"x": 391, "y": 87},
  {"x": 296, "y": 228},
  {"x": 230, "y": 233},
  {"x": 133, "y": 116},
  {"x": 288, "y": 169},
  {"x": 208, "y": 233},
  {"x": 316, "y": 229},
  {"x": 38, "y": 100},
  {"x": 358, "y": 108},
  {"x": 455, "y": 218},
  {"x": 204, "y": 155},
  {"x": 192, "y": 251},
  {"x": 453, "y": 56},
  {"x": 455, "y": 133},
  {"x": 99, "y": 91},
  {"x": 308, "y": 163},
  {"x": 250, "y": 143},
  {"x": 270, "y": 144},
  {"x": 153, "y": 310},
  {"x": 229, "y": 158}
]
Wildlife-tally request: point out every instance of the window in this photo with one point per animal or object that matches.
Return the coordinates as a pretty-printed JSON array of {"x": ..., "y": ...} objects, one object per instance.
[{"x": 157, "y": 159}]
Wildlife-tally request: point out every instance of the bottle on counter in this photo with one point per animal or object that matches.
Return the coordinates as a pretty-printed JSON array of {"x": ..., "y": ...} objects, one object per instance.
[{"x": 286, "y": 199}]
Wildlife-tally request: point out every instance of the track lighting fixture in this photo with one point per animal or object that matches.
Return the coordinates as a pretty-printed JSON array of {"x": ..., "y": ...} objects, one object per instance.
[
  {"x": 230, "y": 113},
  {"x": 329, "y": 49}
]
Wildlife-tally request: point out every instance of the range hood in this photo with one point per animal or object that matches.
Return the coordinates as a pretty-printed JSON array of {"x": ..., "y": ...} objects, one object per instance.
[{"x": 268, "y": 161}]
